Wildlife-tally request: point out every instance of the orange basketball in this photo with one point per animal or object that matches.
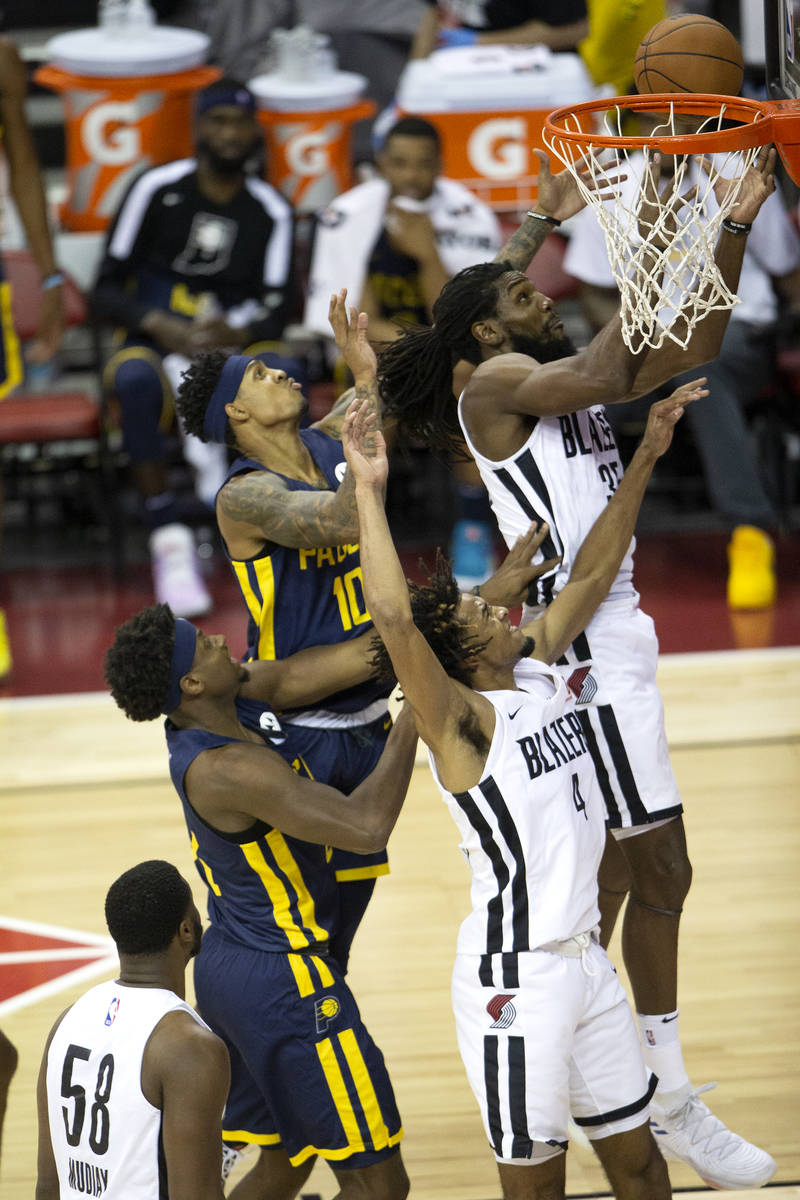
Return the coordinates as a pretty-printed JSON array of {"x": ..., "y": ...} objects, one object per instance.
[{"x": 689, "y": 53}]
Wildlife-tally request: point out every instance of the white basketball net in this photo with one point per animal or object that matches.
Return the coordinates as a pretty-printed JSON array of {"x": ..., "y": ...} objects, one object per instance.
[{"x": 661, "y": 253}]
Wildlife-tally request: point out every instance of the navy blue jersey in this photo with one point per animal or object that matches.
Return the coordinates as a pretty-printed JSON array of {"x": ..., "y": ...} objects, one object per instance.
[
  {"x": 396, "y": 284},
  {"x": 265, "y": 890},
  {"x": 299, "y": 597}
]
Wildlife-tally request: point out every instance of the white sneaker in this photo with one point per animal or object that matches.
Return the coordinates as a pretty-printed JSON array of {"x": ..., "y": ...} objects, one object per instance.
[
  {"x": 176, "y": 574},
  {"x": 687, "y": 1131},
  {"x": 232, "y": 1156}
]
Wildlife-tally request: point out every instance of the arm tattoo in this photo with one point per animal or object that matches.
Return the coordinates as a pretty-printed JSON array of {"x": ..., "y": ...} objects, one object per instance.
[
  {"x": 297, "y": 519},
  {"x": 523, "y": 243}
]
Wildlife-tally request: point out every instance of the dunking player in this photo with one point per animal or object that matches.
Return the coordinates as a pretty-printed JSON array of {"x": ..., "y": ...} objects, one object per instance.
[
  {"x": 292, "y": 535},
  {"x": 306, "y": 1077},
  {"x": 544, "y": 1027},
  {"x": 531, "y": 419},
  {"x": 133, "y": 1083}
]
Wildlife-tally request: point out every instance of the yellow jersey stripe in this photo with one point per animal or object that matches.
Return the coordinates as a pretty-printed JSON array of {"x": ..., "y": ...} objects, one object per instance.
[
  {"x": 338, "y": 1090},
  {"x": 209, "y": 874},
  {"x": 266, "y": 623},
  {"x": 349, "y": 874},
  {"x": 366, "y": 1092},
  {"x": 288, "y": 864},
  {"x": 250, "y": 599},
  {"x": 302, "y": 975},
  {"x": 279, "y": 897},
  {"x": 13, "y": 357},
  {"x": 323, "y": 970}
]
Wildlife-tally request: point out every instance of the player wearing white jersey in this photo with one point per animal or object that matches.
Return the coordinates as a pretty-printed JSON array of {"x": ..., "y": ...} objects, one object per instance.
[
  {"x": 529, "y": 409},
  {"x": 542, "y": 1021},
  {"x": 133, "y": 1083}
]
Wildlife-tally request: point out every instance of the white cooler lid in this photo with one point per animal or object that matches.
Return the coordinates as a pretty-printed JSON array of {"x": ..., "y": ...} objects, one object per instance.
[
  {"x": 486, "y": 79},
  {"x": 334, "y": 90},
  {"x": 158, "y": 50}
]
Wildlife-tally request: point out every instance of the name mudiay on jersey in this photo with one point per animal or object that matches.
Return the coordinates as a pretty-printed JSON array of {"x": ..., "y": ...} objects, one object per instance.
[
  {"x": 325, "y": 556},
  {"x": 85, "y": 1177},
  {"x": 559, "y": 743}
]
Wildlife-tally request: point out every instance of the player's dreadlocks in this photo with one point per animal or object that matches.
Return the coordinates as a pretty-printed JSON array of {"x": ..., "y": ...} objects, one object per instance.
[
  {"x": 197, "y": 384},
  {"x": 138, "y": 665},
  {"x": 434, "y": 607},
  {"x": 415, "y": 372}
]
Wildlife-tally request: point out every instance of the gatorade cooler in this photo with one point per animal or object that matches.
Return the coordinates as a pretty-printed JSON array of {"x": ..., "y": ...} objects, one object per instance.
[
  {"x": 489, "y": 104},
  {"x": 308, "y": 126},
  {"x": 128, "y": 104}
]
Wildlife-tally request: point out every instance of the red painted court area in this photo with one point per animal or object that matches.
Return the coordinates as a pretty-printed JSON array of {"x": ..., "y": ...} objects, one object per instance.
[{"x": 61, "y": 621}]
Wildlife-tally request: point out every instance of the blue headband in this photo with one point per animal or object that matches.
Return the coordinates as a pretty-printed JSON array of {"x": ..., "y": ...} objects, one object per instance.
[
  {"x": 183, "y": 651},
  {"x": 215, "y": 421},
  {"x": 235, "y": 96}
]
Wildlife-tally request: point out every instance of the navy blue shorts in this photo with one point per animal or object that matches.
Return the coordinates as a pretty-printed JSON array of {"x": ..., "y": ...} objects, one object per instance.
[
  {"x": 342, "y": 758},
  {"x": 305, "y": 1073}
]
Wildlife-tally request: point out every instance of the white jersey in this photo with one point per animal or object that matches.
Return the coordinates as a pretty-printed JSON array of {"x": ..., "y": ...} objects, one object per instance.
[
  {"x": 565, "y": 474},
  {"x": 533, "y": 829},
  {"x": 106, "y": 1136}
]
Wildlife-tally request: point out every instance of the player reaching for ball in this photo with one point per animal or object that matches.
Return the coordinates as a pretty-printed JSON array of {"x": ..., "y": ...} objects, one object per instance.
[{"x": 531, "y": 413}]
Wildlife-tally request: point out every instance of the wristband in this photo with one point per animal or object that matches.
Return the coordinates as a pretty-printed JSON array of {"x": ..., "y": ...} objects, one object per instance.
[
  {"x": 736, "y": 227},
  {"x": 54, "y": 279},
  {"x": 544, "y": 217}
]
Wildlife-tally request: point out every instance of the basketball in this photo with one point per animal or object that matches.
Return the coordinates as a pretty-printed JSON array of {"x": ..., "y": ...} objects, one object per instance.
[{"x": 689, "y": 53}]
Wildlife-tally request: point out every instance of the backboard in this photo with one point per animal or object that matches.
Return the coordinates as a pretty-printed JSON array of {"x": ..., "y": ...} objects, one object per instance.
[{"x": 782, "y": 45}]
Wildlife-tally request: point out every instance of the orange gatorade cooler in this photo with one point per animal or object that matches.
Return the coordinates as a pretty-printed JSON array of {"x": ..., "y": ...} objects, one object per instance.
[
  {"x": 489, "y": 104},
  {"x": 128, "y": 100},
  {"x": 307, "y": 109}
]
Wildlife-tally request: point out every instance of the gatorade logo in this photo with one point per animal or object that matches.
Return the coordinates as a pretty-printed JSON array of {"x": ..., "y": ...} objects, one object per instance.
[
  {"x": 498, "y": 148},
  {"x": 307, "y": 153},
  {"x": 109, "y": 133}
]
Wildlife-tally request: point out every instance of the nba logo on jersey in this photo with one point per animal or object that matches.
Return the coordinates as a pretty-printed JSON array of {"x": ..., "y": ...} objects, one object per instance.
[
  {"x": 503, "y": 1011},
  {"x": 113, "y": 1009},
  {"x": 325, "y": 1010}
]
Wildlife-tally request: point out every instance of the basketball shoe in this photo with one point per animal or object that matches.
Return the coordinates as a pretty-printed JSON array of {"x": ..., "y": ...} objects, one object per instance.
[
  {"x": 686, "y": 1130},
  {"x": 176, "y": 573},
  {"x": 751, "y": 569}
]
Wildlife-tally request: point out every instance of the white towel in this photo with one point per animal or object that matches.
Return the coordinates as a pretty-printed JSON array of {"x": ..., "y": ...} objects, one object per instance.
[{"x": 467, "y": 232}]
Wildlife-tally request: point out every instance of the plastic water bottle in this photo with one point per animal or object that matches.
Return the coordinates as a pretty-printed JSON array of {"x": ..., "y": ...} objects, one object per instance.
[
  {"x": 139, "y": 18},
  {"x": 112, "y": 16}
]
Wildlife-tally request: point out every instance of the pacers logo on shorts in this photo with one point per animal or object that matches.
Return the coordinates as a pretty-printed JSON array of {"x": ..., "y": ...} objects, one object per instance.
[
  {"x": 503, "y": 1011},
  {"x": 325, "y": 1010}
]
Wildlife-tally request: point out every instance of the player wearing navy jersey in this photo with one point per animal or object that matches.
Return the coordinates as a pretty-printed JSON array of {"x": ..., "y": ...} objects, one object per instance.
[
  {"x": 530, "y": 413},
  {"x": 307, "y": 1079},
  {"x": 287, "y": 517},
  {"x": 543, "y": 1024},
  {"x": 198, "y": 256},
  {"x": 133, "y": 1082}
]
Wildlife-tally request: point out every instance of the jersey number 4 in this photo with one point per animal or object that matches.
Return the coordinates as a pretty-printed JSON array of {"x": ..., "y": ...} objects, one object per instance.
[{"x": 99, "y": 1121}]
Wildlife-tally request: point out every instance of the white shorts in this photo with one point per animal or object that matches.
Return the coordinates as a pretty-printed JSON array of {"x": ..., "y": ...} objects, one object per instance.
[
  {"x": 562, "y": 1042},
  {"x": 622, "y": 715}
]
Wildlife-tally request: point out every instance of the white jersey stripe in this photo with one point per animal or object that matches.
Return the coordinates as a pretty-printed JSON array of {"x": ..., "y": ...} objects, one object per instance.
[
  {"x": 279, "y": 247},
  {"x": 129, "y": 221}
]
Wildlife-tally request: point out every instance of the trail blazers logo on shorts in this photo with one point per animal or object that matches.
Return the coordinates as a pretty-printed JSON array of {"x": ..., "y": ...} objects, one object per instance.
[
  {"x": 325, "y": 1010},
  {"x": 503, "y": 1011},
  {"x": 582, "y": 685}
]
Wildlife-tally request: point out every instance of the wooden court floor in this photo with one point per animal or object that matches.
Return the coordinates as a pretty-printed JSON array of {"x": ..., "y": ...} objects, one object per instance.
[{"x": 84, "y": 794}]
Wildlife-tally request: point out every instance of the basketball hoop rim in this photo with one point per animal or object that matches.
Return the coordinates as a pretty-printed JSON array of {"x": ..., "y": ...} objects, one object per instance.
[{"x": 763, "y": 122}]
